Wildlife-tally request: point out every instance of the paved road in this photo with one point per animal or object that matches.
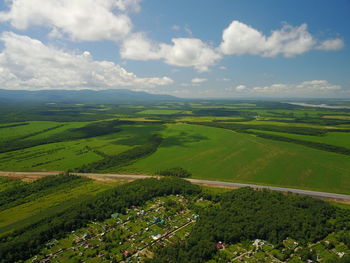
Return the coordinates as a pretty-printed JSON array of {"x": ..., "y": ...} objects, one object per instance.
[
  {"x": 323, "y": 195},
  {"x": 279, "y": 189}
]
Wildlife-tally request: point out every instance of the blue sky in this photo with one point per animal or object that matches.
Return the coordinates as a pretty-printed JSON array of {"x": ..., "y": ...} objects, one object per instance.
[{"x": 207, "y": 48}]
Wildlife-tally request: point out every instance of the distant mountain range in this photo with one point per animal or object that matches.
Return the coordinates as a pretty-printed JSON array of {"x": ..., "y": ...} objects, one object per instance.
[{"x": 80, "y": 96}]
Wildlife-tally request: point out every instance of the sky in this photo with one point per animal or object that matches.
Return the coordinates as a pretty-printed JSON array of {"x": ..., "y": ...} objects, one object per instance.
[{"x": 186, "y": 48}]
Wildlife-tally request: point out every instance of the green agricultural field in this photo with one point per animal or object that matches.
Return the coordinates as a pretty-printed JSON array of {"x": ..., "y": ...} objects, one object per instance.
[
  {"x": 48, "y": 204},
  {"x": 221, "y": 148},
  {"x": 160, "y": 112},
  {"x": 333, "y": 138},
  {"x": 62, "y": 156},
  {"x": 25, "y": 129},
  {"x": 218, "y": 154}
]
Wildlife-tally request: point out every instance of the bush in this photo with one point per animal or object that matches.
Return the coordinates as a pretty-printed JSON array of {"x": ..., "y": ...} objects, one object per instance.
[{"x": 176, "y": 171}]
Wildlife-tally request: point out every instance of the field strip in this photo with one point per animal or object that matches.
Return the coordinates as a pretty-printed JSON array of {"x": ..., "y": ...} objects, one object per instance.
[{"x": 322, "y": 195}]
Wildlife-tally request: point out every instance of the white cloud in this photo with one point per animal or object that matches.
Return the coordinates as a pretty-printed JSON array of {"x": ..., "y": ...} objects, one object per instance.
[
  {"x": 126, "y": 5},
  {"x": 189, "y": 52},
  {"x": 199, "y": 80},
  {"x": 26, "y": 63},
  {"x": 184, "y": 52},
  {"x": 176, "y": 27},
  {"x": 188, "y": 30},
  {"x": 86, "y": 20},
  {"x": 93, "y": 20},
  {"x": 240, "y": 87},
  {"x": 239, "y": 38},
  {"x": 331, "y": 44},
  {"x": 139, "y": 47},
  {"x": 313, "y": 88},
  {"x": 223, "y": 79}
]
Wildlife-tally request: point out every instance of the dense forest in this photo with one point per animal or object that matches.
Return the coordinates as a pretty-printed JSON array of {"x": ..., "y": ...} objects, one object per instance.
[{"x": 246, "y": 214}]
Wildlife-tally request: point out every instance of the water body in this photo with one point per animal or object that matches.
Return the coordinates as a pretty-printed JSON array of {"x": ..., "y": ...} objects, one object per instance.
[{"x": 318, "y": 105}]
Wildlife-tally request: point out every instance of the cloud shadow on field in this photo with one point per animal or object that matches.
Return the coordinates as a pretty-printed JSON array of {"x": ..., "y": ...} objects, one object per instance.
[{"x": 183, "y": 139}]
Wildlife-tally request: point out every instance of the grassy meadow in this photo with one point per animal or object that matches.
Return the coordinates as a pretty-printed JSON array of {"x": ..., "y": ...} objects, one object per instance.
[
  {"x": 251, "y": 142},
  {"x": 218, "y": 154},
  {"x": 35, "y": 207}
]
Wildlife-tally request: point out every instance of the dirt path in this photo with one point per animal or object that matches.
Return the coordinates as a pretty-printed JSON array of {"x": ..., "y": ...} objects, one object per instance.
[{"x": 31, "y": 176}]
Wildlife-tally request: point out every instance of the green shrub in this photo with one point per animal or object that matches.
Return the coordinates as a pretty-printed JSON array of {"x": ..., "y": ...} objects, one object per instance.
[{"x": 176, "y": 171}]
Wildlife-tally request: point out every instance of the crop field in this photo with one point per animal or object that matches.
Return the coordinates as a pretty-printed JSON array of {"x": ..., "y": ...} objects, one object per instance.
[
  {"x": 159, "y": 112},
  {"x": 334, "y": 138},
  {"x": 258, "y": 142},
  {"x": 218, "y": 154},
  {"x": 19, "y": 216},
  {"x": 39, "y": 205}
]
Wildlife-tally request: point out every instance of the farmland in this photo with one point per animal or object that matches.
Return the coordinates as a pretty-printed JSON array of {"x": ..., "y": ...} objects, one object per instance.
[
  {"x": 35, "y": 207},
  {"x": 258, "y": 142}
]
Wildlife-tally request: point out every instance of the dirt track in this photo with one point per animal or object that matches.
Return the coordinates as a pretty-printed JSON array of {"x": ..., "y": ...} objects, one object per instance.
[{"x": 31, "y": 176}]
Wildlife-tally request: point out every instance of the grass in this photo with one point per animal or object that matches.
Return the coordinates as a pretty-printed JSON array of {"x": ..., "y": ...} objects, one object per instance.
[
  {"x": 333, "y": 138},
  {"x": 160, "y": 112},
  {"x": 7, "y": 183},
  {"x": 207, "y": 152},
  {"x": 55, "y": 156},
  {"x": 72, "y": 154},
  {"x": 24, "y": 130},
  {"x": 19, "y": 216},
  {"x": 218, "y": 154}
]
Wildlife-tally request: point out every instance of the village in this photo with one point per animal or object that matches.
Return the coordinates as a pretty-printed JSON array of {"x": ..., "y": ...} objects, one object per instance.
[
  {"x": 290, "y": 251},
  {"x": 125, "y": 237},
  {"x": 136, "y": 234}
]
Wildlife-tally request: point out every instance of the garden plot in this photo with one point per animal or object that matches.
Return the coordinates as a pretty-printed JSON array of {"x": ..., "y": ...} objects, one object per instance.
[{"x": 131, "y": 236}]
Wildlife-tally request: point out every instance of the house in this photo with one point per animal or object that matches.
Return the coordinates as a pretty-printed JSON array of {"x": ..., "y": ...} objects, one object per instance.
[
  {"x": 156, "y": 236},
  {"x": 219, "y": 245}
]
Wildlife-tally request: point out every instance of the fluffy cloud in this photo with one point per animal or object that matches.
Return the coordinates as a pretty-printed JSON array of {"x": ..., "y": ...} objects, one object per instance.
[
  {"x": 139, "y": 47},
  {"x": 239, "y": 38},
  {"x": 27, "y": 63},
  {"x": 313, "y": 88},
  {"x": 240, "y": 87},
  {"x": 126, "y": 5},
  {"x": 331, "y": 44},
  {"x": 189, "y": 52},
  {"x": 199, "y": 80},
  {"x": 93, "y": 20},
  {"x": 223, "y": 79},
  {"x": 87, "y": 20},
  {"x": 184, "y": 52}
]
